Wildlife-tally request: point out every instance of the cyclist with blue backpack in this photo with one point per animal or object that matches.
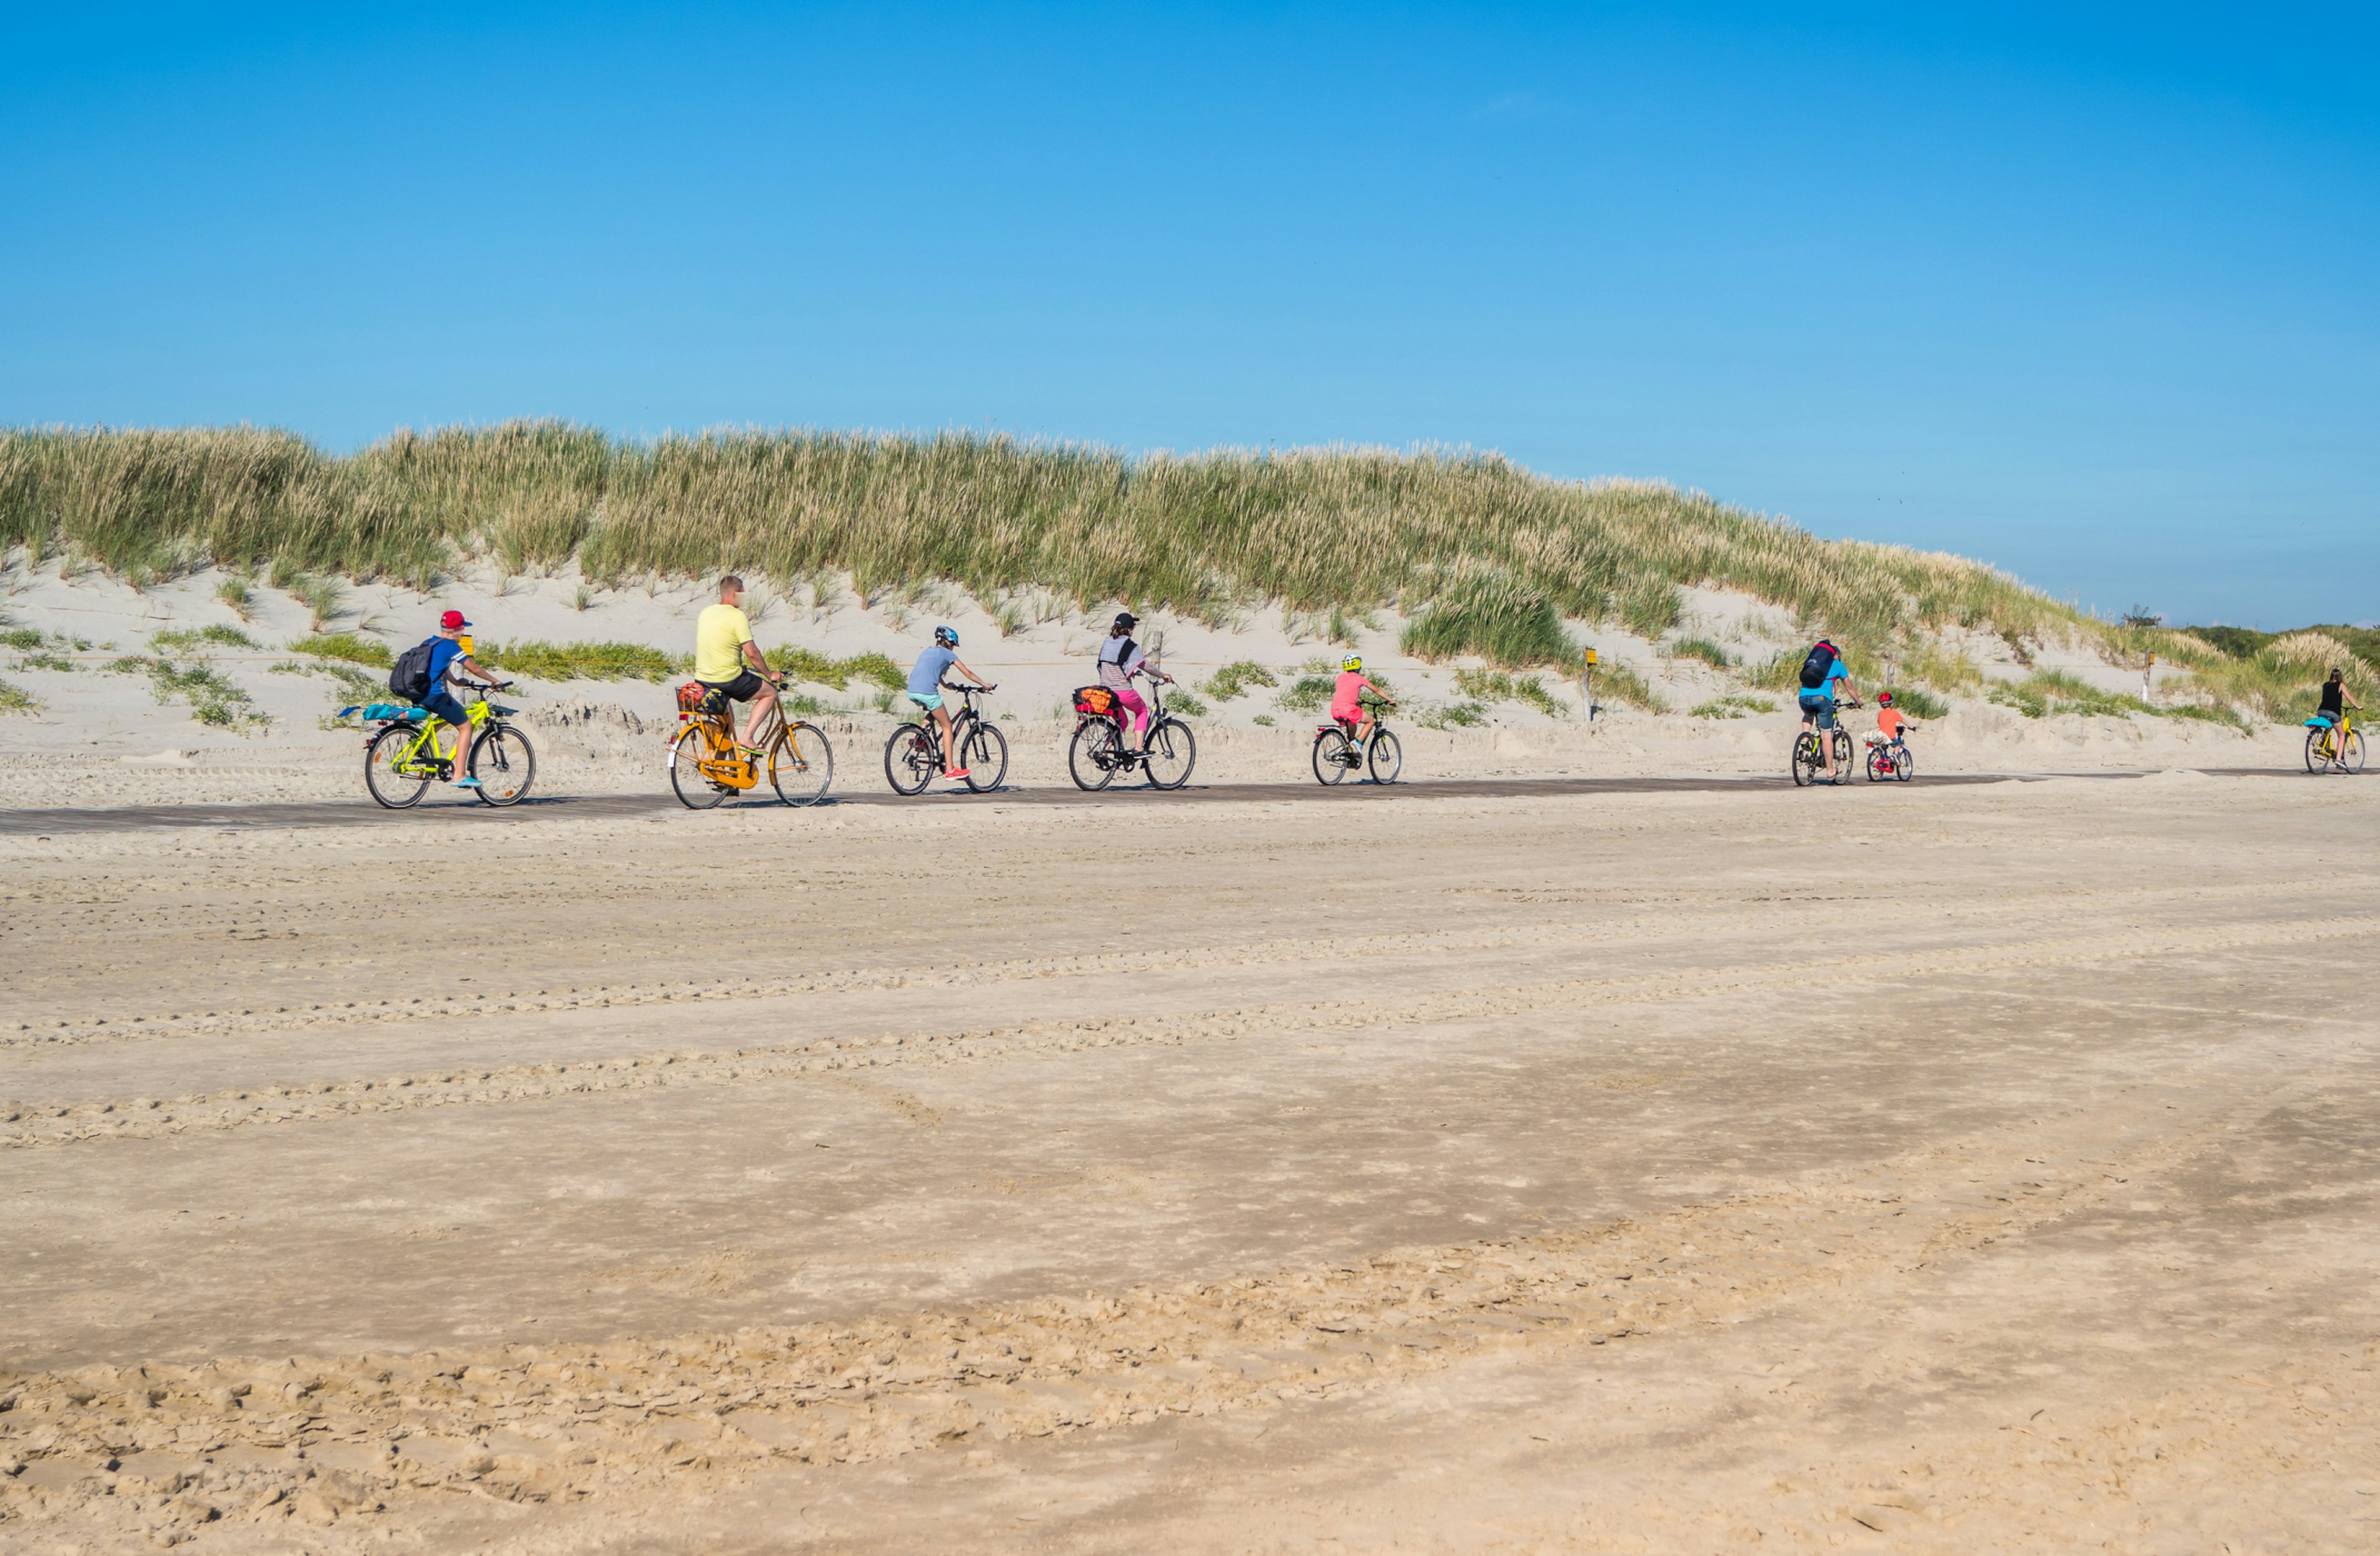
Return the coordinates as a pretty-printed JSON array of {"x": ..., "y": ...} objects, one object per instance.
[
  {"x": 420, "y": 676},
  {"x": 1822, "y": 672}
]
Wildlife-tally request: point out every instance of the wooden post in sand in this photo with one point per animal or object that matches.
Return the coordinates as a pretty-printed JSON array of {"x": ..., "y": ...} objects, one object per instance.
[
  {"x": 1587, "y": 683},
  {"x": 2148, "y": 678}
]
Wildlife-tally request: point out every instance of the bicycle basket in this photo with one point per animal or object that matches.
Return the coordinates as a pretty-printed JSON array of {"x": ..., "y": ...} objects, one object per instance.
[
  {"x": 691, "y": 696},
  {"x": 1094, "y": 700}
]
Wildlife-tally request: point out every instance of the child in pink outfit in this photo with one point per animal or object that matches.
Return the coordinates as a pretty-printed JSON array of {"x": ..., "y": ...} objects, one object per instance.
[{"x": 1346, "y": 703}]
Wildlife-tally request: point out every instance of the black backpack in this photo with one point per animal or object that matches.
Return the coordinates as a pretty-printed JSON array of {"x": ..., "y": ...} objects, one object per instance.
[
  {"x": 1814, "y": 667},
  {"x": 410, "y": 678}
]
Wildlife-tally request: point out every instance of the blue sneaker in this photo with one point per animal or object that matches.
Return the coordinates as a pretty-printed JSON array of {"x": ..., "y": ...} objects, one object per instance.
[{"x": 467, "y": 782}]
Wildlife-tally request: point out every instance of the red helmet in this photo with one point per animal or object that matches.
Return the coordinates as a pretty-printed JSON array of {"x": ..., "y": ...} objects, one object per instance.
[{"x": 1884, "y": 700}]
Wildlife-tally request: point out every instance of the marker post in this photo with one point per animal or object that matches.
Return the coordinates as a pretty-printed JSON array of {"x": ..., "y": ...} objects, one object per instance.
[{"x": 1587, "y": 683}]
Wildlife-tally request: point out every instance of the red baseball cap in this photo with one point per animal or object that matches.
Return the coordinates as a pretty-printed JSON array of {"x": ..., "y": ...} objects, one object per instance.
[{"x": 451, "y": 620}]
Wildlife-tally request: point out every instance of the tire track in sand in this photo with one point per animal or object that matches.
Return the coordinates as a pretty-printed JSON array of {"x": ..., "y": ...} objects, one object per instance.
[{"x": 24, "y": 1124}]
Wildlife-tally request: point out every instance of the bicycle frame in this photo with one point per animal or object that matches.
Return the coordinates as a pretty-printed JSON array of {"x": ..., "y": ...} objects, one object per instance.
[
  {"x": 423, "y": 747},
  {"x": 966, "y": 715}
]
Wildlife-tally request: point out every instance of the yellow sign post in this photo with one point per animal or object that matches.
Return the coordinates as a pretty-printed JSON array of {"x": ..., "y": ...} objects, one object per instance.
[{"x": 1587, "y": 683}]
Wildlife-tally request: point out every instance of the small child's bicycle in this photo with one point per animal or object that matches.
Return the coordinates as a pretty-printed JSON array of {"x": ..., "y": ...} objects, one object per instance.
[
  {"x": 1337, "y": 752},
  {"x": 401, "y": 760},
  {"x": 1888, "y": 758}
]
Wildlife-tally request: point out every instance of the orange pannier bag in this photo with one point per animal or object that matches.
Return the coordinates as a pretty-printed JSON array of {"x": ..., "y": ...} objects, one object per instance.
[
  {"x": 691, "y": 696},
  {"x": 1094, "y": 700}
]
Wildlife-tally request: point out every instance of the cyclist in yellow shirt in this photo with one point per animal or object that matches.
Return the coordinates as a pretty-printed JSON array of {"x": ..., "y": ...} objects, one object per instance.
[{"x": 729, "y": 663}]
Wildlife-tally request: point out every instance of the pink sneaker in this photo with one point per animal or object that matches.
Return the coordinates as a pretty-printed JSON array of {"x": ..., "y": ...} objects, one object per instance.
[{"x": 956, "y": 774}]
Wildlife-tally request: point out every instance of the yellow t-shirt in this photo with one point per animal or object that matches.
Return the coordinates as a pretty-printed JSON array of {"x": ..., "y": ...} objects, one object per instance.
[{"x": 720, "y": 634}]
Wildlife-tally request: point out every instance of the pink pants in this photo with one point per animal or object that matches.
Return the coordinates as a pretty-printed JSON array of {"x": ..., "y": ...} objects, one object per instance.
[{"x": 1129, "y": 701}]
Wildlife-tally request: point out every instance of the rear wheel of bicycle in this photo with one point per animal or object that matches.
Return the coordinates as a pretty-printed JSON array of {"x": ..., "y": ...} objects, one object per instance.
[
  {"x": 2350, "y": 755},
  {"x": 504, "y": 763},
  {"x": 912, "y": 757},
  {"x": 1806, "y": 761},
  {"x": 801, "y": 764},
  {"x": 1387, "y": 757},
  {"x": 1876, "y": 761},
  {"x": 2317, "y": 755},
  {"x": 393, "y": 789},
  {"x": 984, "y": 754},
  {"x": 694, "y": 791},
  {"x": 1331, "y": 760},
  {"x": 1173, "y": 752},
  {"x": 1092, "y": 755}
]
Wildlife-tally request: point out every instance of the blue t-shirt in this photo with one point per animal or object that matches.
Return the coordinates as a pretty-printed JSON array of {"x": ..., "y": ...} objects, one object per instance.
[
  {"x": 1826, "y": 686},
  {"x": 444, "y": 651},
  {"x": 927, "y": 678}
]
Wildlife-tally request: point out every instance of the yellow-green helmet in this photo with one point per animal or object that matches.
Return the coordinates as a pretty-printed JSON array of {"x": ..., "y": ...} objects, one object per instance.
[{"x": 1353, "y": 661}]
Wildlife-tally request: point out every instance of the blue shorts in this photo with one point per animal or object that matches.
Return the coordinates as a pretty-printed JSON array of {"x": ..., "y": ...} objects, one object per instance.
[
  {"x": 929, "y": 700},
  {"x": 1820, "y": 708},
  {"x": 446, "y": 708}
]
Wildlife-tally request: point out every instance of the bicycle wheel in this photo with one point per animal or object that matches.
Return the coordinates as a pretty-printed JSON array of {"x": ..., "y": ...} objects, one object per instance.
[
  {"x": 1905, "y": 766},
  {"x": 1845, "y": 762},
  {"x": 694, "y": 791},
  {"x": 1091, "y": 755},
  {"x": 504, "y": 763},
  {"x": 801, "y": 764},
  {"x": 394, "y": 789},
  {"x": 2317, "y": 754},
  {"x": 984, "y": 754},
  {"x": 1173, "y": 752},
  {"x": 2350, "y": 756},
  {"x": 1806, "y": 761},
  {"x": 1332, "y": 763},
  {"x": 1387, "y": 758},
  {"x": 911, "y": 760},
  {"x": 1875, "y": 765}
]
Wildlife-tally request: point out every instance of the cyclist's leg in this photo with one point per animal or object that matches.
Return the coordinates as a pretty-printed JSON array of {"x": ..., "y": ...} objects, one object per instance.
[
  {"x": 763, "y": 698},
  {"x": 941, "y": 717},
  {"x": 444, "y": 708},
  {"x": 1135, "y": 725}
]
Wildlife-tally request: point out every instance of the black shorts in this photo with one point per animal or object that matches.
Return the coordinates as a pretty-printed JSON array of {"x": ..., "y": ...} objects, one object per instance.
[{"x": 743, "y": 689}]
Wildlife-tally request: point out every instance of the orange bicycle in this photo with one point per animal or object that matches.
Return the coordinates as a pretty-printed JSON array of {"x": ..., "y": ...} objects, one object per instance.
[{"x": 705, "y": 765}]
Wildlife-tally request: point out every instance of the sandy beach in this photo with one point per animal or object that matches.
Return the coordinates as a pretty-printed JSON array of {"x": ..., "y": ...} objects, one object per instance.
[{"x": 1963, "y": 1168}]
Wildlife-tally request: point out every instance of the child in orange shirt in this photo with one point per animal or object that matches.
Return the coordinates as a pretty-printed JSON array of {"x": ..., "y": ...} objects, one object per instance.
[{"x": 1890, "y": 721}]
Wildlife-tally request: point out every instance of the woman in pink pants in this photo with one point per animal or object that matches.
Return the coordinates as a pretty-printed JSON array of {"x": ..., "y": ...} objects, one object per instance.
[{"x": 1120, "y": 661}]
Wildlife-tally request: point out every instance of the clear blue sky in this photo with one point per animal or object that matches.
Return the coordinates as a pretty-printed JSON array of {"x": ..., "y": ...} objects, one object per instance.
[{"x": 2091, "y": 293}]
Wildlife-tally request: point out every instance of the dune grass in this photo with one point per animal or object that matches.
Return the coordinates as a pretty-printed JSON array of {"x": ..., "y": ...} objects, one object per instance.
[
  {"x": 346, "y": 646},
  {"x": 583, "y": 661},
  {"x": 15, "y": 699},
  {"x": 1495, "y": 685},
  {"x": 1484, "y": 556},
  {"x": 1734, "y": 705},
  {"x": 1234, "y": 679}
]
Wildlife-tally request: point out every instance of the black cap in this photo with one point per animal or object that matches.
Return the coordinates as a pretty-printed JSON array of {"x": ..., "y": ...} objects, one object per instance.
[{"x": 1125, "y": 618}]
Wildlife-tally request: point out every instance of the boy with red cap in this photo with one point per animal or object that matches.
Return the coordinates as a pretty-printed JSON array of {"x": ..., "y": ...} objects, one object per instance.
[{"x": 446, "y": 655}]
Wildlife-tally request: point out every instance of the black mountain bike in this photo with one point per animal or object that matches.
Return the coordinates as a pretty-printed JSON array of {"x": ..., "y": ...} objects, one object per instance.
[
  {"x": 1100, "y": 753},
  {"x": 1810, "y": 758},
  {"x": 1336, "y": 754},
  {"x": 913, "y": 757}
]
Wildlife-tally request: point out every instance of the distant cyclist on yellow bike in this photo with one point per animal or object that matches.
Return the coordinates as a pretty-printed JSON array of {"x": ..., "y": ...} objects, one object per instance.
[
  {"x": 2336, "y": 701},
  {"x": 1822, "y": 674}
]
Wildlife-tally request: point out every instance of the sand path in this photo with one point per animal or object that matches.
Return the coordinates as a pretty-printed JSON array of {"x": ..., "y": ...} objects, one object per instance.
[{"x": 1952, "y": 1168}]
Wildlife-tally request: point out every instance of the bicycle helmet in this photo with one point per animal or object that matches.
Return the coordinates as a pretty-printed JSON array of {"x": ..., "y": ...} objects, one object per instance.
[
  {"x": 1884, "y": 700},
  {"x": 1353, "y": 661},
  {"x": 946, "y": 638}
]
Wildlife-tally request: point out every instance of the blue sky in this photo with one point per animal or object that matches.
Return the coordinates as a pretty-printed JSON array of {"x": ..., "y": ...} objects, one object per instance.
[{"x": 2093, "y": 294}]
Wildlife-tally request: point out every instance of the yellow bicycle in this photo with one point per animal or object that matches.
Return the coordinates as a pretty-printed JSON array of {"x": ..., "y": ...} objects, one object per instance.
[
  {"x": 401, "y": 760},
  {"x": 2340, "y": 749}
]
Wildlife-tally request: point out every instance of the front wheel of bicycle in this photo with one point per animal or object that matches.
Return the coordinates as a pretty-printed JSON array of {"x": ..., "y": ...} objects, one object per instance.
[
  {"x": 1846, "y": 764},
  {"x": 911, "y": 760},
  {"x": 1173, "y": 752},
  {"x": 1807, "y": 762},
  {"x": 396, "y": 789},
  {"x": 801, "y": 764},
  {"x": 2350, "y": 754},
  {"x": 1331, "y": 762},
  {"x": 694, "y": 791},
  {"x": 1091, "y": 757},
  {"x": 1905, "y": 766},
  {"x": 504, "y": 763},
  {"x": 1387, "y": 758},
  {"x": 984, "y": 754}
]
